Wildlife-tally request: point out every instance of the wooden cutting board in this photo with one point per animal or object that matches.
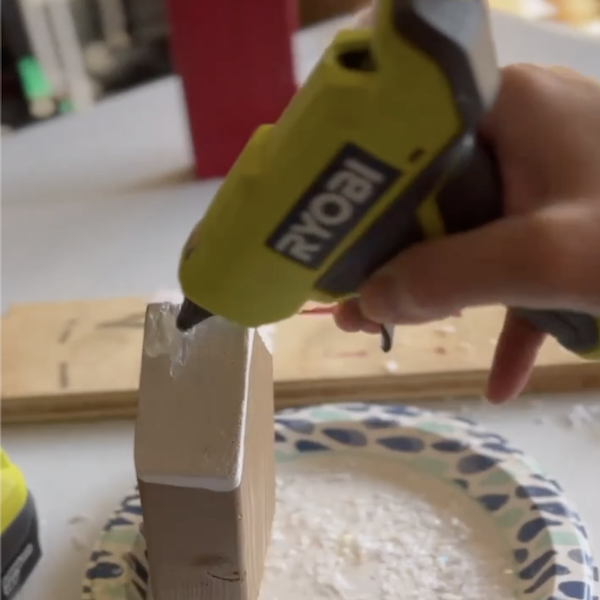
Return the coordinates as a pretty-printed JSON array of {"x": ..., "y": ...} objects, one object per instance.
[{"x": 81, "y": 360}]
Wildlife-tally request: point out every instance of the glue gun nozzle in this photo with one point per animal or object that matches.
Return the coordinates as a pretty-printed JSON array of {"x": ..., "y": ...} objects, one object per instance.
[{"x": 190, "y": 315}]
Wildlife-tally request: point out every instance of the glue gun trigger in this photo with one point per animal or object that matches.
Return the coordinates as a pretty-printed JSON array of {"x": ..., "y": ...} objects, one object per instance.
[{"x": 387, "y": 337}]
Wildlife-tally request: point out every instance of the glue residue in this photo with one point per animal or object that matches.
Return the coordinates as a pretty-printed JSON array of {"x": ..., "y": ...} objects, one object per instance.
[
  {"x": 164, "y": 338},
  {"x": 358, "y": 529},
  {"x": 174, "y": 296}
]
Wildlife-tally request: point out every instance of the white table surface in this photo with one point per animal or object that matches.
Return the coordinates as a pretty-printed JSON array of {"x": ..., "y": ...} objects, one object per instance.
[{"x": 98, "y": 205}]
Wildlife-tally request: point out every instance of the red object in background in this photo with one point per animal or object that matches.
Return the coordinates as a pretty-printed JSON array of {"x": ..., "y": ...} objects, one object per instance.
[
  {"x": 236, "y": 65},
  {"x": 318, "y": 310}
]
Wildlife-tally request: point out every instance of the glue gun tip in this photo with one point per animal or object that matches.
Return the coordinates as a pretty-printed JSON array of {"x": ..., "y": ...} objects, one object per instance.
[{"x": 190, "y": 315}]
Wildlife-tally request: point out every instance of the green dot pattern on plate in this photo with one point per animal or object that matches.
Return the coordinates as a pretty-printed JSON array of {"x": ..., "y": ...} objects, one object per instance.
[
  {"x": 432, "y": 466},
  {"x": 563, "y": 538},
  {"x": 328, "y": 414},
  {"x": 544, "y": 541},
  {"x": 434, "y": 427},
  {"x": 498, "y": 477},
  {"x": 510, "y": 518},
  {"x": 282, "y": 456}
]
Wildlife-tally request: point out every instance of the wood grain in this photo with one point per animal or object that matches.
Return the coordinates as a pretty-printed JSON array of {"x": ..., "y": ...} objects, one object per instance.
[{"x": 81, "y": 360}]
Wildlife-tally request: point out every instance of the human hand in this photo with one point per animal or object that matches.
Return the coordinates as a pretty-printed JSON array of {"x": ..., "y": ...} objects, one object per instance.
[{"x": 545, "y": 253}]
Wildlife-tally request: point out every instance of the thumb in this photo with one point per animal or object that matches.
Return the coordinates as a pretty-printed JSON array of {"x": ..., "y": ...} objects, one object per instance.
[{"x": 541, "y": 260}]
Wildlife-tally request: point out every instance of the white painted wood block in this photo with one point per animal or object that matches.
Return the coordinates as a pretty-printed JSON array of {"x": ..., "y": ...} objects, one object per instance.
[{"x": 204, "y": 457}]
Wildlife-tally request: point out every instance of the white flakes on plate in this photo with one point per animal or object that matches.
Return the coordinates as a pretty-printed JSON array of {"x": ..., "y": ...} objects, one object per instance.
[
  {"x": 582, "y": 415},
  {"x": 359, "y": 529}
]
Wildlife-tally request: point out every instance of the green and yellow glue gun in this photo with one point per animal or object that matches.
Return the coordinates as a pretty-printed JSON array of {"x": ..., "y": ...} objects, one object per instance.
[
  {"x": 377, "y": 151},
  {"x": 21, "y": 551}
]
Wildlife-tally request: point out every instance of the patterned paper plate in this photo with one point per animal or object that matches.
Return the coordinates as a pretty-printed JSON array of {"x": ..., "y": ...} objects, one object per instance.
[{"x": 551, "y": 552}]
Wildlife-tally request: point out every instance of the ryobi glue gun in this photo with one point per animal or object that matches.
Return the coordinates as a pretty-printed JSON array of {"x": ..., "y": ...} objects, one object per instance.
[{"x": 377, "y": 151}]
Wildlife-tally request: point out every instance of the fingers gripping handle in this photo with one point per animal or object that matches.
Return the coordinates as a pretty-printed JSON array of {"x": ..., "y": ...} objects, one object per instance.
[{"x": 473, "y": 197}]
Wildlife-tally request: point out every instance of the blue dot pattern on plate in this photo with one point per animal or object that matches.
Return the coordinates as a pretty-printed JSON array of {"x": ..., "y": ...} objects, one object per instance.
[
  {"x": 449, "y": 446},
  {"x": 402, "y": 443},
  {"x": 348, "y": 437},
  {"x": 493, "y": 502},
  {"x": 552, "y": 555}
]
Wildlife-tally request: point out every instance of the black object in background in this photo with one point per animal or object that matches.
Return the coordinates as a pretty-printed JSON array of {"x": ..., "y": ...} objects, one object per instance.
[
  {"x": 15, "y": 112},
  {"x": 146, "y": 58}
]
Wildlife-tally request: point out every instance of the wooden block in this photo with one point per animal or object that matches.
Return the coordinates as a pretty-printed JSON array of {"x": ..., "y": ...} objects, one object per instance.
[
  {"x": 75, "y": 360},
  {"x": 204, "y": 458}
]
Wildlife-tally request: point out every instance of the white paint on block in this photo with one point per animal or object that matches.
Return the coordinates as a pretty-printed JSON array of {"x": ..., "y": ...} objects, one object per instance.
[{"x": 267, "y": 334}]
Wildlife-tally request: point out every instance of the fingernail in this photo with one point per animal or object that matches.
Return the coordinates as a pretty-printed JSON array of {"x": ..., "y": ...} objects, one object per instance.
[
  {"x": 384, "y": 301},
  {"x": 370, "y": 327},
  {"x": 495, "y": 401},
  {"x": 377, "y": 299}
]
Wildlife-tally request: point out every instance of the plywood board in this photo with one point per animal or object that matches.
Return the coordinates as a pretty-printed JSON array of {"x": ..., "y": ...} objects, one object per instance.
[
  {"x": 512, "y": 6},
  {"x": 81, "y": 360}
]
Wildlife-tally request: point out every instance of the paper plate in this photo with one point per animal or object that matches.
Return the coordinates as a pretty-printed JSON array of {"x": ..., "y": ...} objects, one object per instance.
[{"x": 551, "y": 552}]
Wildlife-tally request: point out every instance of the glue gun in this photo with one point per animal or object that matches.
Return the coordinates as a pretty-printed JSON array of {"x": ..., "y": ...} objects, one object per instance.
[
  {"x": 21, "y": 551},
  {"x": 376, "y": 152}
]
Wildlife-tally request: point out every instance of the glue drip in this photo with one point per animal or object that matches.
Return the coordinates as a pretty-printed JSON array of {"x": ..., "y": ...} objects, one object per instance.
[{"x": 163, "y": 337}]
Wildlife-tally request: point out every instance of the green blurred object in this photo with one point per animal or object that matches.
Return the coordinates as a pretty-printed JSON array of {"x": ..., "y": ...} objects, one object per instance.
[
  {"x": 65, "y": 106},
  {"x": 35, "y": 84}
]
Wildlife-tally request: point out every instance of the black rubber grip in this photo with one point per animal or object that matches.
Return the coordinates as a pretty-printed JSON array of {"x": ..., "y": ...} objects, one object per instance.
[
  {"x": 472, "y": 194},
  {"x": 21, "y": 550},
  {"x": 575, "y": 331}
]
